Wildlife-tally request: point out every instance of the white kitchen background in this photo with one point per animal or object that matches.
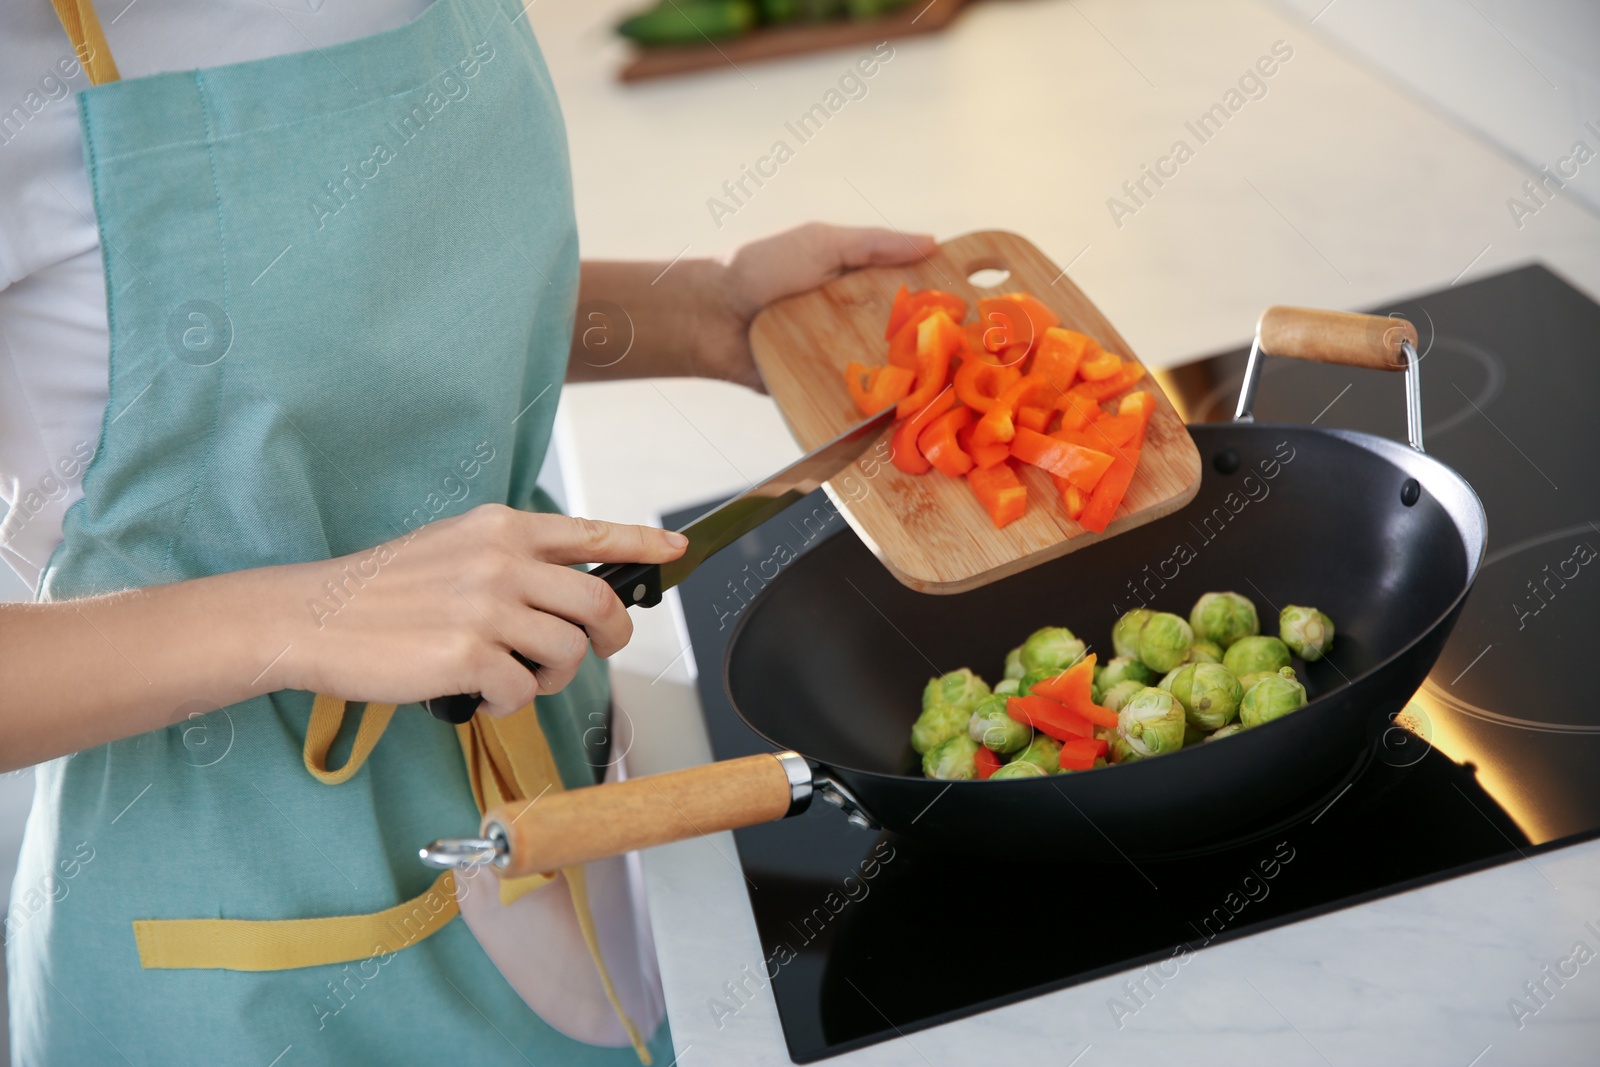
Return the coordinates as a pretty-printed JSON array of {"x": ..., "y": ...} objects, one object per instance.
[{"x": 1521, "y": 78}]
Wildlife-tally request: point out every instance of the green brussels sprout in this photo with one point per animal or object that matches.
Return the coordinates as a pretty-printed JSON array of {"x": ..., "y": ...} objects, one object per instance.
[
  {"x": 1307, "y": 631},
  {"x": 937, "y": 724},
  {"x": 1271, "y": 698},
  {"x": 1227, "y": 731},
  {"x": 1120, "y": 751},
  {"x": 1164, "y": 641},
  {"x": 1166, "y": 679},
  {"x": 1018, "y": 769},
  {"x": 992, "y": 727},
  {"x": 1251, "y": 654},
  {"x": 952, "y": 760},
  {"x": 1095, "y": 692},
  {"x": 1209, "y": 694},
  {"x": 961, "y": 688},
  {"x": 1052, "y": 648},
  {"x": 1014, "y": 667},
  {"x": 1121, "y": 693},
  {"x": 1008, "y": 687},
  {"x": 1125, "y": 634},
  {"x": 1248, "y": 682},
  {"x": 1152, "y": 722},
  {"x": 1192, "y": 734},
  {"x": 1123, "y": 669},
  {"x": 1204, "y": 652},
  {"x": 1043, "y": 752},
  {"x": 1223, "y": 618}
]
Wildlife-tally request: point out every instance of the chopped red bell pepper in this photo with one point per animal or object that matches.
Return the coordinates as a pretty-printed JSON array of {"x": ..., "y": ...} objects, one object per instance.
[
  {"x": 1113, "y": 486},
  {"x": 1080, "y": 466},
  {"x": 982, "y": 455},
  {"x": 979, "y": 382},
  {"x": 1015, "y": 318},
  {"x": 937, "y": 340},
  {"x": 1058, "y": 355},
  {"x": 1071, "y": 685},
  {"x": 988, "y": 762},
  {"x": 938, "y": 442},
  {"x": 1048, "y": 717},
  {"x": 903, "y": 452},
  {"x": 1079, "y": 753},
  {"x": 907, "y": 304},
  {"x": 1106, "y": 388},
  {"x": 903, "y": 346},
  {"x": 1105, "y": 434},
  {"x": 1077, "y": 410},
  {"x": 998, "y": 423},
  {"x": 875, "y": 388},
  {"x": 1000, "y": 491}
]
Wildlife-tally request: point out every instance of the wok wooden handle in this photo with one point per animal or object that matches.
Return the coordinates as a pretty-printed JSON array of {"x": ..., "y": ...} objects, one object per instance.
[
  {"x": 1371, "y": 341},
  {"x": 561, "y": 829}
]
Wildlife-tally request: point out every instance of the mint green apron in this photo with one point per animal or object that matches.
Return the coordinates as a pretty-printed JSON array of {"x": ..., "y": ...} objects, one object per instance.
[{"x": 340, "y": 287}]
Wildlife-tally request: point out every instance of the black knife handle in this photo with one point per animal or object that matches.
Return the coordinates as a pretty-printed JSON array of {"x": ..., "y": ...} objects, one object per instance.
[{"x": 636, "y": 584}]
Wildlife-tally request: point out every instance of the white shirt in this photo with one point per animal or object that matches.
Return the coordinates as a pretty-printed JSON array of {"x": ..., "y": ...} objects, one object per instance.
[{"x": 54, "y": 366}]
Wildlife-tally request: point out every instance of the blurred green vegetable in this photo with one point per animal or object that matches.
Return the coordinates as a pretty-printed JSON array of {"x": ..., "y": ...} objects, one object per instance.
[
  {"x": 1123, "y": 669},
  {"x": 1250, "y": 654},
  {"x": 1152, "y": 722},
  {"x": 1018, "y": 769},
  {"x": 1248, "y": 682},
  {"x": 961, "y": 688},
  {"x": 1052, "y": 648},
  {"x": 1014, "y": 667},
  {"x": 937, "y": 724},
  {"x": 1203, "y": 652},
  {"x": 1210, "y": 695},
  {"x": 1166, "y": 679},
  {"x": 1224, "y": 618},
  {"x": 1227, "y": 731},
  {"x": 953, "y": 760},
  {"x": 684, "y": 21},
  {"x": 1121, "y": 693},
  {"x": 1033, "y": 678},
  {"x": 1164, "y": 641},
  {"x": 999, "y": 732},
  {"x": 1043, "y": 752},
  {"x": 1008, "y": 687},
  {"x": 1271, "y": 698},
  {"x": 1120, "y": 751},
  {"x": 1307, "y": 631},
  {"x": 1125, "y": 634}
]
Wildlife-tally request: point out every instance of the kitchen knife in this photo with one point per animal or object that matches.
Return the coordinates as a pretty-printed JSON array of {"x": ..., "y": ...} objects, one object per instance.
[{"x": 642, "y": 584}]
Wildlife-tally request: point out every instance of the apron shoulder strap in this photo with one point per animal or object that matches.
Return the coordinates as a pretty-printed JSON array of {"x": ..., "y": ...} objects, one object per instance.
[{"x": 78, "y": 18}]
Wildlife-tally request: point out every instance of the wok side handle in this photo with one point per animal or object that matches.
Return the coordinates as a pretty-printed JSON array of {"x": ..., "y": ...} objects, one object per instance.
[
  {"x": 580, "y": 825},
  {"x": 1373, "y": 342}
]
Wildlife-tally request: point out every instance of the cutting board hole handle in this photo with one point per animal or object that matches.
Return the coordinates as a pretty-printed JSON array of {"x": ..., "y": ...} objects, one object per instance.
[{"x": 987, "y": 273}]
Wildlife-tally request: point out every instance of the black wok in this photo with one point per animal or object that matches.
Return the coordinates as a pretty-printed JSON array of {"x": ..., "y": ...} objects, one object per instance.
[{"x": 830, "y": 659}]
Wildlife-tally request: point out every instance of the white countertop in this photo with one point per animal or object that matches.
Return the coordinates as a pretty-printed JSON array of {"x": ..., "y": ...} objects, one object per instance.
[{"x": 1335, "y": 189}]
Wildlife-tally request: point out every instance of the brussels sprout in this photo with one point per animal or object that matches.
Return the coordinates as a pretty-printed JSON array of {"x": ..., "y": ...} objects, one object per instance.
[
  {"x": 1271, "y": 698},
  {"x": 961, "y": 688},
  {"x": 1095, "y": 692},
  {"x": 991, "y": 726},
  {"x": 1125, "y": 634},
  {"x": 953, "y": 760},
  {"x": 1152, "y": 722},
  {"x": 1123, "y": 669},
  {"x": 1166, "y": 679},
  {"x": 1250, "y": 654},
  {"x": 1043, "y": 752},
  {"x": 1121, "y": 693},
  {"x": 1192, "y": 734},
  {"x": 1204, "y": 652},
  {"x": 1164, "y": 641},
  {"x": 937, "y": 724},
  {"x": 1008, "y": 687},
  {"x": 1018, "y": 769},
  {"x": 1248, "y": 682},
  {"x": 1307, "y": 631},
  {"x": 1224, "y": 618},
  {"x": 1120, "y": 751},
  {"x": 1209, "y": 694},
  {"x": 1227, "y": 731},
  {"x": 1014, "y": 667},
  {"x": 1052, "y": 648}
]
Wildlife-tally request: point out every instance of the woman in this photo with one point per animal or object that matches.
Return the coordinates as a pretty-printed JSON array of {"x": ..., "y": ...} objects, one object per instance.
[{"x": 337, "y": 290}]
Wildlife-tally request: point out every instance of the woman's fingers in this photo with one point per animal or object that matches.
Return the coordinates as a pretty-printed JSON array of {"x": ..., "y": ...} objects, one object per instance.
[
  {"x": 581, "y": 599},
  {"x": 559, "y": 539},
  {"x": 853, "y": 247}
]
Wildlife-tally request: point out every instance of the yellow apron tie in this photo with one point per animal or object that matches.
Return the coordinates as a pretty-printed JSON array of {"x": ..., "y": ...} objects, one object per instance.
[{"x": 78, "y": 18}]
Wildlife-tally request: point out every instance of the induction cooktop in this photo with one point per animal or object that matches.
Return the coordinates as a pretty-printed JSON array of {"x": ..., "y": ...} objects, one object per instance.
[{"x": 1492, "y": 760}]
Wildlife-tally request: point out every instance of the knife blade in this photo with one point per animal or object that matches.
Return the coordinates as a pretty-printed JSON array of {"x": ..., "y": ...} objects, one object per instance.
[{"x": 641, "y": 584}]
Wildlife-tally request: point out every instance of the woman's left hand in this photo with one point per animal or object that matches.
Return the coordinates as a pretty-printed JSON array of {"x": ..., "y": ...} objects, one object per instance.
[{"x": 756, "y": 274}]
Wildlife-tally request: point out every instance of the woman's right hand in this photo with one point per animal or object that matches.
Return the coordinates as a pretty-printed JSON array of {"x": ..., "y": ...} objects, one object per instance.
[{"x": 440, "y": 611}]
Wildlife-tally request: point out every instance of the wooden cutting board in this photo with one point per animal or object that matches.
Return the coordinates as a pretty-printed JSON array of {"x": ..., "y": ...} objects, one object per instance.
[{"x": 929, "y": 529}]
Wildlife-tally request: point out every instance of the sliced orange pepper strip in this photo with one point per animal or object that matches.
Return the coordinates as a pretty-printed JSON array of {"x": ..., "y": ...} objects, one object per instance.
[
  {"x": 1049, "y": 717},
  {"x": 1015, "y": 318},
  {"x": 1034, "y": 417},
  {"x": 1080, "y": 466},
  {"x": 1113, "y": 485},
  {"x": 859, "y": 380},
  {"x": 1000, "y": 491},
  {"x": 982, "y": 455},
  {"x": 899, "y": 311},
  {"x": 978, "y": 383},
  {"x": 1105, "y": 434},
  {"x": 1077, "y": 410},
  {"x": 1105, "y": 388},
  {"x": 1080, "y": 753},
  {"x": 998, "y": 423},
  {"x": 1099, "y": 365},
  {"x": 1071, "y": 689},
  {"x": 1058, "y": 355},
  {"x": 907, "y": 306},
  {"x": 903, "y": 347},
  {"x": 1073, "y": 499},
  {"x": 903, "y": 451},
  {"x": 938, "y": 444},
  {"x": 938, "y": 337}
]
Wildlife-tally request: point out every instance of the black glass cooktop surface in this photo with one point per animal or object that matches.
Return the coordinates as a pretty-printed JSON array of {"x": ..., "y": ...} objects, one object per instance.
[{"x": 1492, "y": 760}]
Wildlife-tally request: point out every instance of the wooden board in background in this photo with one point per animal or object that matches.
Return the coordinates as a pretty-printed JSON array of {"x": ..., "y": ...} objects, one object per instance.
[
  {"x": 929, "y": 529},
  {"x": 772, "y": 42}
]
